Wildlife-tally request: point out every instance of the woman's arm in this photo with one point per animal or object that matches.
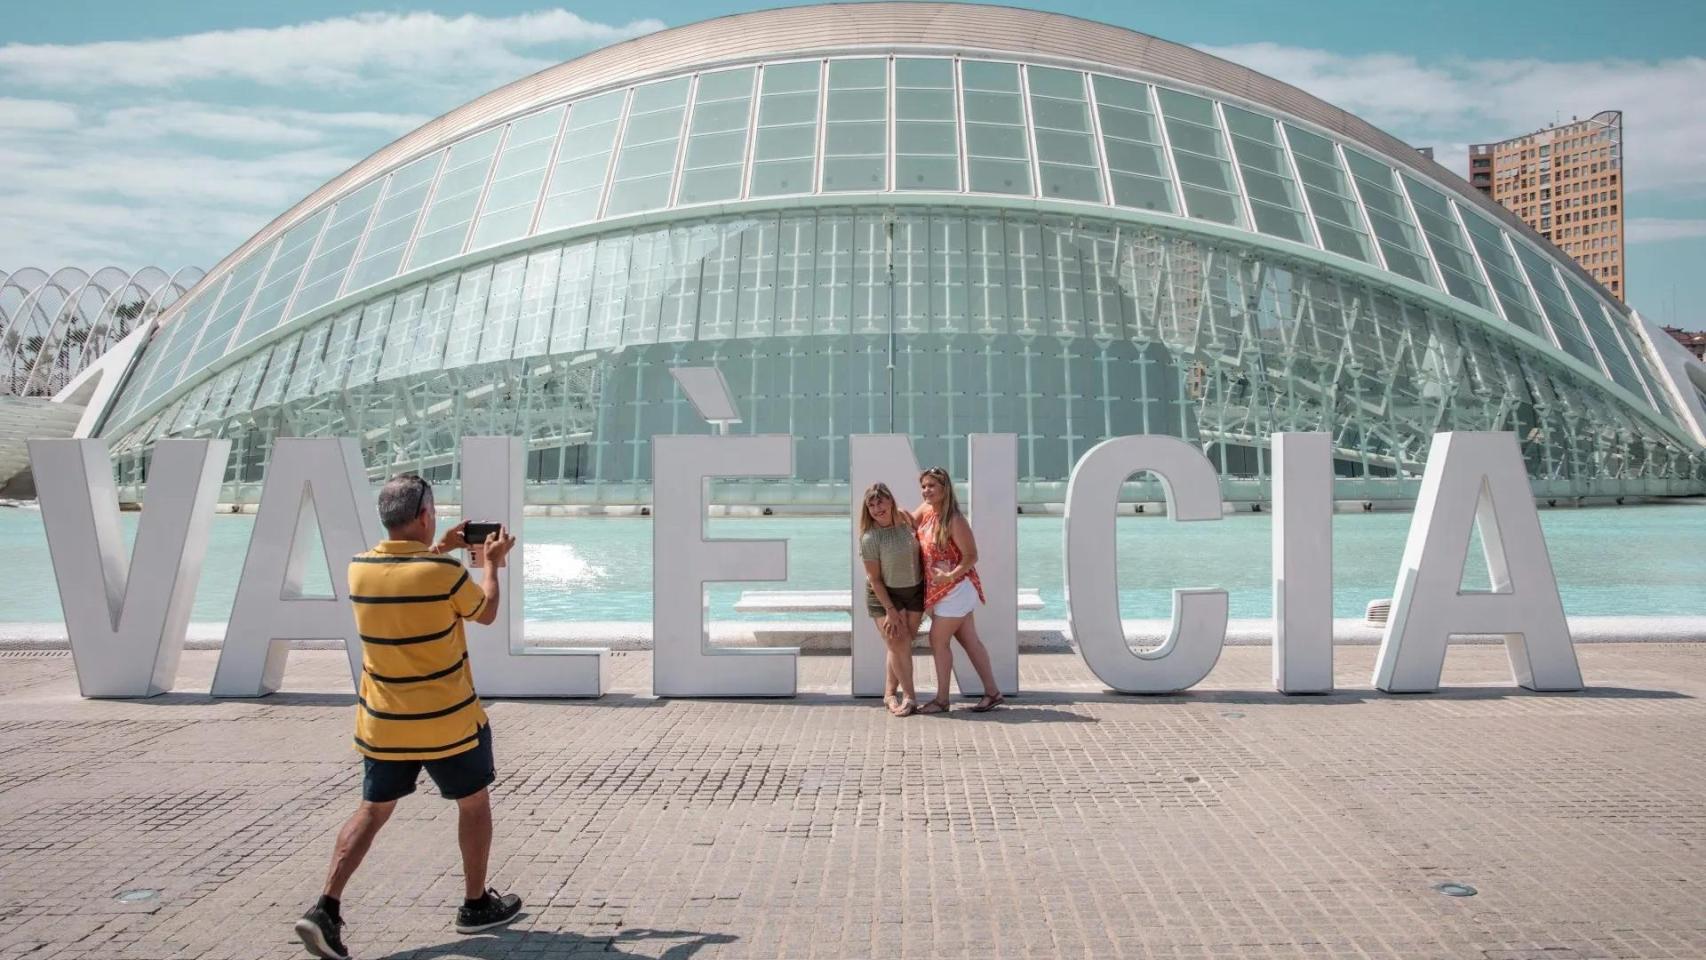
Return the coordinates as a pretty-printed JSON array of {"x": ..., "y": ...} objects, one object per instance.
[
  {"x": 874, "y": 574},
  {"x": 960, "y": 533}
]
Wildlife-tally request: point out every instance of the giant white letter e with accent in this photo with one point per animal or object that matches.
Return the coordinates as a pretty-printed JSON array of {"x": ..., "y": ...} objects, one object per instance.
[{"x": 684, "y": 663}]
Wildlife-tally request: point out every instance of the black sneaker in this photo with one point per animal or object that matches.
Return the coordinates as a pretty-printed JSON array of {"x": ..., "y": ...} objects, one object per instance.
[
  {"x": 321, "y": 935},
  {"x": 494, "y": 910}
]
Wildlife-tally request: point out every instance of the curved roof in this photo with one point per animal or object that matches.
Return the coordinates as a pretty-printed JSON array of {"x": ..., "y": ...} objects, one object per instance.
[
  {"x": 828, "y": 28},
  {"x": 895, "y": 104}
]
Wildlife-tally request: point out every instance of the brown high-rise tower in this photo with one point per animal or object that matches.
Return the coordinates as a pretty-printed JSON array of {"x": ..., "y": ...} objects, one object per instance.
[{"x": 1566, "y": 182}]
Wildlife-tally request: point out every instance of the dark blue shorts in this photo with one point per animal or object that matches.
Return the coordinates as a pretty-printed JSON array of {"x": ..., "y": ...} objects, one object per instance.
[{"x": 462, "y": 775}]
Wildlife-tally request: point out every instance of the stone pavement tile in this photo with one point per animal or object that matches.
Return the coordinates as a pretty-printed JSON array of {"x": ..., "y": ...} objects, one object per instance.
[{"x": 1228, "y": 821}]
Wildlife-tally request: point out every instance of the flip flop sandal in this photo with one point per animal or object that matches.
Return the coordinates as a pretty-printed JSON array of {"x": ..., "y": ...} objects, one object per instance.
[
  {"x": 988, "y": 703},
  {"x": 934, "y": 706}
]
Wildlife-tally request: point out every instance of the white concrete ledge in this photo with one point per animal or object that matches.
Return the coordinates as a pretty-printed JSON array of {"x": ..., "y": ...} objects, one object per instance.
[{"x": 830, "y": 636}]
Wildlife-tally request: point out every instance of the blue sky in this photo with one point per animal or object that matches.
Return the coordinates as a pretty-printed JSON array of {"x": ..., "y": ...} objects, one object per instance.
[{"x": 167, "y": 132}]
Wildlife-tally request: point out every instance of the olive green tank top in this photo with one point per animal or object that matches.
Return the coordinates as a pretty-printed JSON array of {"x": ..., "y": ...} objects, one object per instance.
[{"x": 897, "y": 550}]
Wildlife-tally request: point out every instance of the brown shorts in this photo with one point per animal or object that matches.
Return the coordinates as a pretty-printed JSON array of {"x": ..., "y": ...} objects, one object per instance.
[{"x": 905, "y": 598}]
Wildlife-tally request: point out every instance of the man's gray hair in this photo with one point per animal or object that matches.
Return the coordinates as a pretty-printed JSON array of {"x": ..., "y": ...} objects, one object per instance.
[{"x": 401, "y": 499}]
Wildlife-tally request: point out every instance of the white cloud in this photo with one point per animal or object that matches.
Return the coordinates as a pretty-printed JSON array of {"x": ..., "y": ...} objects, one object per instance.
[
  {"x": 249, "y": 125},
  {"x": 172, "y": 151},
  {"x": 1661, "y": 229},
  {"x": 1452, "y": 103},
  {"x": 331, "y": 53},
  {"x": 19, "y": 114}
]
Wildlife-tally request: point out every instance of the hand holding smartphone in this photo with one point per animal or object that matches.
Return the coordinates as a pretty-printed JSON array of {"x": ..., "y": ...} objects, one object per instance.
[{"x": 476, "y": 533}]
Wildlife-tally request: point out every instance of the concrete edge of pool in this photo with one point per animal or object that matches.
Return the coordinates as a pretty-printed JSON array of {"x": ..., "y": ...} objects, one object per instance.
[{"x": 832, "y": 637}]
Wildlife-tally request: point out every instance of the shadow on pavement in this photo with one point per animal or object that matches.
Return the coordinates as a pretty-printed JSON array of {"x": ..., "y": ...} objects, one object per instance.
[
  {"x": 1030, "y": 706},
  {"x": 546, "y": 944},
  {"x": 1489, "y": 692}
]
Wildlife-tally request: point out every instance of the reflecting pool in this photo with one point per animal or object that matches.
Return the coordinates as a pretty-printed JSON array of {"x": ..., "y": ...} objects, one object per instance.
[{"x": 1631, "y": 560}]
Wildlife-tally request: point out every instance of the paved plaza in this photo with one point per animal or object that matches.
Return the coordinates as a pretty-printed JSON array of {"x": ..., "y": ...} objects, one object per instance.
[{"x": 1226, "y": 822}]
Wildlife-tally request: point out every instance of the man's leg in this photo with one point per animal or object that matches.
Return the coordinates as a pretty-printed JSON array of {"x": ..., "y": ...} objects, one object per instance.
[
  {"x": 321, "y": 927},
  {"x": 353, "y": 842},
  {"x": 474, "y": 835}
]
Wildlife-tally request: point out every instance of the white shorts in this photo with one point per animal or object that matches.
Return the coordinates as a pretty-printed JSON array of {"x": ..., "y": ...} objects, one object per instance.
[{"x": 959, "y": 602}]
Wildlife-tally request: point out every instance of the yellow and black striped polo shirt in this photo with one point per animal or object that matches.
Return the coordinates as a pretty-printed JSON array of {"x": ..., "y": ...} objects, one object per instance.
[{"x": 417, "y": 699}]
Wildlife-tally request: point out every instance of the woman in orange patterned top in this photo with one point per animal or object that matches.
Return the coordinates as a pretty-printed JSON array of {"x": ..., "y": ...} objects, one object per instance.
[{"x": 950, "y": 567}]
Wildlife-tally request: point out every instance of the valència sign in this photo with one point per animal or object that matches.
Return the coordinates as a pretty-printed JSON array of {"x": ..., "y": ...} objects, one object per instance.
[{"x": 127, "y": 616}]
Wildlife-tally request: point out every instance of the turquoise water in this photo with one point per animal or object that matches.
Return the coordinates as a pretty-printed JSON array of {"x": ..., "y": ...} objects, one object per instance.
[{"x": 1629, "y": 560}]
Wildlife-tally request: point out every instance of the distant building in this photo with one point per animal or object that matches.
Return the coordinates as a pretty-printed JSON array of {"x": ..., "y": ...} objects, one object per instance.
[
  {"x": 1694, "y": 340},
  {"x": 1566, "y": 182}
]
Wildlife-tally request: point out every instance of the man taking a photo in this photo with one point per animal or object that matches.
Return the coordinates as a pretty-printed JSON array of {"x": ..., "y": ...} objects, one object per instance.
[{"x": 417, "y": 706}]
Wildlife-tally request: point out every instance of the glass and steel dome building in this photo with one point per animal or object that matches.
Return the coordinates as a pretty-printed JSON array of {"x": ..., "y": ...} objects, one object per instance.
[{"x": 921, "y": 218}]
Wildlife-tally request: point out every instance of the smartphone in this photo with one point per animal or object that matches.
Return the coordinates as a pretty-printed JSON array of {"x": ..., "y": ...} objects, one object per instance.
[{"x": 476, "y": 533}]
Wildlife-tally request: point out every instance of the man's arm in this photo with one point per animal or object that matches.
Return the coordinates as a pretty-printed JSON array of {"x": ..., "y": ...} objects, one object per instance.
[{"x": 497, "y": 547}]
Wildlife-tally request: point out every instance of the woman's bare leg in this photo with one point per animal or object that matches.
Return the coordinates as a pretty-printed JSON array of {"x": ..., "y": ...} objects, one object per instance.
[
  {"x": 978, "y": 654},
  {"x": 942, "y": 631},
  {"x": 891, "y": 679},
  {"x": 900, "y": 667},
  {"x": 904, "y": 665}
]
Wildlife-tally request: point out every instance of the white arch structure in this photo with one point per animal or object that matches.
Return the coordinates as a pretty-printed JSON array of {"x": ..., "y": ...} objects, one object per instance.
[{"x": 53, "y": 326}]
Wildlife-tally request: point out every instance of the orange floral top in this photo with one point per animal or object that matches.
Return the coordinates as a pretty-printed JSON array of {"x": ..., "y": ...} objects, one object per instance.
[{"x": 940, "y": 559}]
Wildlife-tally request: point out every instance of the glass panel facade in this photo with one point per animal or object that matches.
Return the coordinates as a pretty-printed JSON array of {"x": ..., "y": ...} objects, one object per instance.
[
  {"x": 716, "y": 137},
  {"x": 1275, "y": 201},
  {"x": 340, "y": 349},
  {"x": 1199, "y": 157},
  {"x": 1131, "y": 141},
  {"x": 282, "y": 276},
  {"x": 175, "y": 342},
  {"x": 1061, "y": 331},
  {"x": 1446, "y": 240},
  {"x": 518, "y": 178},
  {"x": 1514, "y": 298},
  {"x": 1389, "y": 215},
  {"x": 926, "y": 128},
  {"x": 235, "y": 299},
  {"x": 1332, "y": 200},
  {"x": 394, "y": 222},
  {"x": 816, "y": 289},
  {"x": 1606, "y": 338},
  {"x": 784, "y": 150},
  {"x": 1066, "y": 151},
  {"x": 998, "y": 153},
  {"x": 583, "y": 160},
  {"x": 325, "y": 274},
  {"x": 856, "y": 130},
  {"x": 1572, "y": 336},
  {"x": 444, "y": 228},
  {"x": 646, "y": 161}
]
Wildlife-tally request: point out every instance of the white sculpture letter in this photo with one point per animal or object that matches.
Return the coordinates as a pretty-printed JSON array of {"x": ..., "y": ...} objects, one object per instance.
[
  {"x": 1303, "y": 562},
  {"x": 1092, "y": 575},
  {"x": 684, "y": 663},
  {"x": 126, "y": 617},
  {"x": 993, "y": 510},
  {"x": 1476, "y": 479},
  {"x": 493, "y": 469},
  {"x": 309, "y": 482}
]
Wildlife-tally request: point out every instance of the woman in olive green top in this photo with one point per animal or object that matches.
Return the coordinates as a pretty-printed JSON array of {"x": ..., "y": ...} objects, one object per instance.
[{"x": 894, "y": 595}]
